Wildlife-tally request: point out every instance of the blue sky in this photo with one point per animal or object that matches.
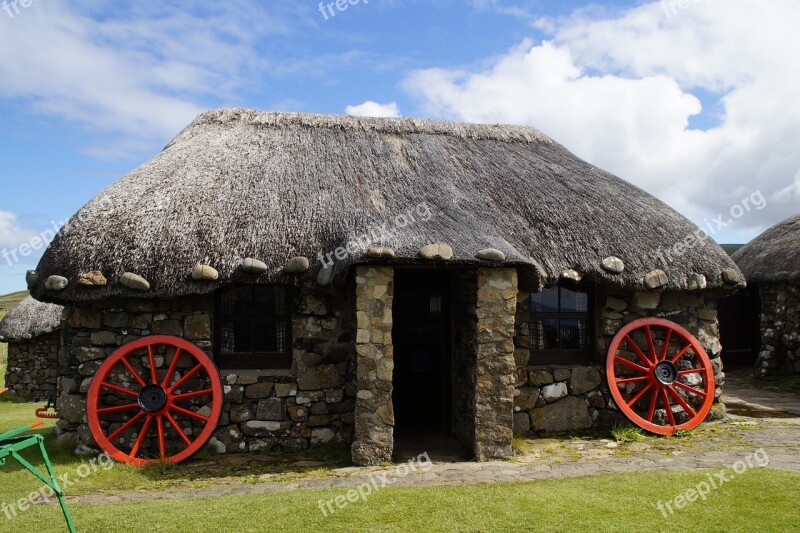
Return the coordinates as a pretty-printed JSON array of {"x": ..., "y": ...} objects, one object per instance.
[{"x": 696, "y": 105}]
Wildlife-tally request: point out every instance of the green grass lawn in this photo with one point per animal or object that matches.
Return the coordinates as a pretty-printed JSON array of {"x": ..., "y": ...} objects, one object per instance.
[
  {"x": 757, "y": 500},
  {"x": 760, "y": 500}
]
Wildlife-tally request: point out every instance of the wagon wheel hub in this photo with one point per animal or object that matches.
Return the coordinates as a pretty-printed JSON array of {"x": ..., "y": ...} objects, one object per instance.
[
  {"x": 666, "y": 372},
  {"x": 152, "y": 398}
]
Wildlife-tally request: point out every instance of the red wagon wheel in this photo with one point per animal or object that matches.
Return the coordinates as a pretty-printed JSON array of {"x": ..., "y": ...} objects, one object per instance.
[
  {"x": 660, "y": 376},
  {"x": 158, "y": 398}
]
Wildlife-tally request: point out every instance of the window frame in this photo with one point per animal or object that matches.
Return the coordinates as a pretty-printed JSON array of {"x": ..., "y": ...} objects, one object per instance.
[
  {"x": 559, "y": 355},
  {"x": 253, "y": 360}
]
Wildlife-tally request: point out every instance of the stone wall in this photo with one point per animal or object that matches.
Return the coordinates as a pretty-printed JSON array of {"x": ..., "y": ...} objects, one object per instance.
[
  {"x": 780, "y": 328},
  {"x": 494, "y": 384},
  {"x": 33, "y": 366},
  {"x": 571, "y": 397},
  {"x": 374, "y": 413},
  {"x": 263, "y": 409}
]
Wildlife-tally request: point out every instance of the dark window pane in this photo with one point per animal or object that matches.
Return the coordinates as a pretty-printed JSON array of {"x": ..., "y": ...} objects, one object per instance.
[
  {"x": 265, "y": 337},
  {"x": 544, "y": 334},
  {"x": 254, "y": 326},
  {"x": 574, "y": 334},
  {"x": 545, "y": 301},
  {"x": 574, "y": 301}
]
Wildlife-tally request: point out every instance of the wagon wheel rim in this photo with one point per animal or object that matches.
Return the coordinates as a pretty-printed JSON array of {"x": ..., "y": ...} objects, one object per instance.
[
  {"x": 660, "y": 372},
  {"x": 154, "y": 401}
]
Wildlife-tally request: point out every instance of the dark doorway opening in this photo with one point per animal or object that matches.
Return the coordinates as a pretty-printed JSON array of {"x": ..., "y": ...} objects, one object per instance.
[
  {"x": 740, "y": 328},
  {"x": 422, "y": 354}
]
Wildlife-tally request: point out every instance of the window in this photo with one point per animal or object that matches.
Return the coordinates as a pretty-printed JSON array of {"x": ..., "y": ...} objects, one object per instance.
[
  {"x": 252, "y": 327},
  {"x": 561, "y": 325}
]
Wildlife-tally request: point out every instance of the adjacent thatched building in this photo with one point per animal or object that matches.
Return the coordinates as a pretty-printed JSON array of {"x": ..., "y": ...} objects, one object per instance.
[
  {"x": 360, "y": 279},
  {"x": 31, "y": 330},
  {"x": 771, "y": 264}
]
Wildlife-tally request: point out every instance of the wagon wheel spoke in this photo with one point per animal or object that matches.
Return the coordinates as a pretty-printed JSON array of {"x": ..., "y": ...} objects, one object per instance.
[
  {"x": 635, "y": 399},
  {"x": 142, "y": 435},
  {"x": 121, "y": 390},
  {"x": 662, "y": 379},
  {"x": 665, "y": 345},
  {"x": 171, "y": 370},
  {"x": 639, "y": 353},
  {"x": 692, "y": 390},
  {"x": 668, "y": 407},
  {"x": 162, "y": 448},
  {"x": 118, "y": 408},
  {"x": 686, "y": 407},
  {"x": 629, "y": 364},
  {"x": 632, "y": 380},
  {"x": 652, "y": 409},
  {"x": 681, "y": 353},
  {"x": 155, "y": 402},
  {"x": 133, "y": 371},
  {"x": 126, "y": 426},
  {"x": 152, "y": 361},
  {"x": 178, "y": 429},
  {"x": 649, "y": 334}
]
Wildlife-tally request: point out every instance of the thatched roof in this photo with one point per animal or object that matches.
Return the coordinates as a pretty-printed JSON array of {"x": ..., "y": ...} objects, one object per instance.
[
  {"x": 240, "y": 183},
  {"x": 29, "y": 319},
  {"x": 774, "y": 255}
]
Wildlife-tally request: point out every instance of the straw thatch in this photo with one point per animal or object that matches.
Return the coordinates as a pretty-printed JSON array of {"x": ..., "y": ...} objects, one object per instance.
[
  {"x": 240, "y": 183},
  {"x": 29, "y": 319},
  {"x": 775, "y": 254}
]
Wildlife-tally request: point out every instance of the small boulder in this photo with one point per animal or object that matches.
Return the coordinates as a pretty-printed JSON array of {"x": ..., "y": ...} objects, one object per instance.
[
  {"x": 95, "y": 278},
  {"x": 56, "y": 283},
  {"x": 655, "y": 279},
  {"x": 134, "y": 282},
  {"x": 697, "y": 282},
  {"x": 613, "y": 265},
  {"x": 491, "y": 254},
  {"x": 572, "y": 275},
  {"x": 254, "y": 266},
  {"x": 554, "y": 391},
  {"x": 31, "y": 278},
  {"x": 435, "y": 251},
  {"x": 296, "y": 265},
  {"x": 204, "y": 273},
  {"x": 381, "y": 252},
  {"x": 732, "y": 276}
]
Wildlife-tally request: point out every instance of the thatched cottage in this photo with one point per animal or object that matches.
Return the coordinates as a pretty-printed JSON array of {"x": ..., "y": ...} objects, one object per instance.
[
  {"x": 362, "y": 280},
  {"x": 31, "y": 329},
  {"x": 771, "y": 264}
]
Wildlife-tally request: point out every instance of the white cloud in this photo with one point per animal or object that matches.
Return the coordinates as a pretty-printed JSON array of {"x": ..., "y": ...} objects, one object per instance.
[
  {"x": 11, "y": 234},
  {"x": 618, "y": 91},
  {"x": 373, "y": 109},
  {"x": 139, "y": 72}
]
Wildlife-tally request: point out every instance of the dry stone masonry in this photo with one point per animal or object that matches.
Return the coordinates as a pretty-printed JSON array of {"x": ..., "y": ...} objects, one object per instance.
[
  {"x": 780, "y": 327},
  {"x": 374, "y": 435},
  {"x": 552, "y": 398},
  {"x": 33, "y": 366}
]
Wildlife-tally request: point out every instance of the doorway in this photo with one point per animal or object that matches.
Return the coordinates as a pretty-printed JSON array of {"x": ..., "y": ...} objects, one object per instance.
[{"x": 422, "y": 356}]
